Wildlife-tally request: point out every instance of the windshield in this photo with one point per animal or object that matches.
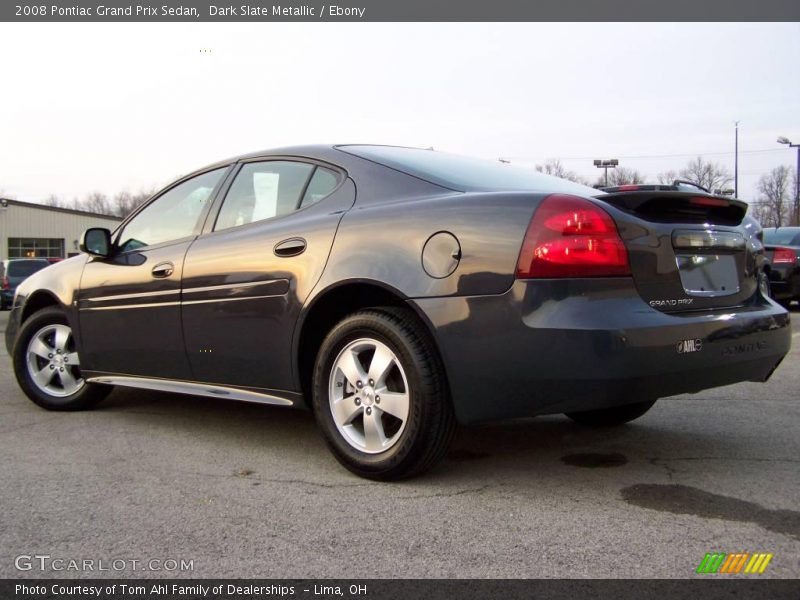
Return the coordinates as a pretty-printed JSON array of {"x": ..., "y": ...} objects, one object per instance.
[
  {"x": 782, "y": 237},
  {"x": 464, "y": 173},
  {"x": 25, "y": 268}
]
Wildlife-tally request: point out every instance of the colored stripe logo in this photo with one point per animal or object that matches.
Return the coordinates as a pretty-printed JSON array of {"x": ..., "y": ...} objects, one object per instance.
[{"x": 740, "y": 562}]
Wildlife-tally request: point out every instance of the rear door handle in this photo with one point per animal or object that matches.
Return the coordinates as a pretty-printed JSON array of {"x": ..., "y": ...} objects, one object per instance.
[
  {"x": 162, "y": 270},
  {"x": 290, "y": 247}
]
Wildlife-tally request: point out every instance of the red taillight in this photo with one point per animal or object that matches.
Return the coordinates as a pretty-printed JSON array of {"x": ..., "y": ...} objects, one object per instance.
[
  {"x": 572, "y": 237},
  {"x": 784, "y": 255},
  {"x": 628, "y": 187},
  {"x": 5, "y": 282}
]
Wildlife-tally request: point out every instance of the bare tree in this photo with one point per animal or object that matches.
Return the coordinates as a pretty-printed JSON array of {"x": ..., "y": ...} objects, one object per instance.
[
  {"x": 124, "y": 203},
  {"x": 121, "y": 205},
  {"x": 554, "y": 167},
  {"x": 53, "y": 200},
  {"x": 667, "y": 177},
  {"x": 711, "y": 176},
  {"x": 621, "y": 176},
  {"x": 773, "y": 205},
  {"x": 96, "y": 202}
]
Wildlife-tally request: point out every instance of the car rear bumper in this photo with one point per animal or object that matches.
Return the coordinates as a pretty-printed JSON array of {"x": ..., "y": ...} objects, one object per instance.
[{"x": 551, "y": 346}]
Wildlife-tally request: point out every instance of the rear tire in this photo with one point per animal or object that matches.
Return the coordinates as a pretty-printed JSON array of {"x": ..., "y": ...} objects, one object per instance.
[
  {"x": 47, "y": 366},
  {"x": 609, "y": 417},
  {"x": 380, "y": 396}
]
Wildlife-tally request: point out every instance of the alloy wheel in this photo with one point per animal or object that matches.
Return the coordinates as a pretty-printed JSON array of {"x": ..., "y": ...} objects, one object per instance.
[
  {"x": 369, "y": 395},
  {"x": 53, "y": 363}
]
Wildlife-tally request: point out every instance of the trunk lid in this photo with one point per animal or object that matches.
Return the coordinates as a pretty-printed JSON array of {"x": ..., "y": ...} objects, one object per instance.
[{"x": 688, "y": 251}]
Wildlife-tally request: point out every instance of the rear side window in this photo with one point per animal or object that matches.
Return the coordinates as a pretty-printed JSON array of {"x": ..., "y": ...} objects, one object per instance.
[
  {"x": 264, "y": 190},
  {"x": 782, "y": 237},
  {"x": 25, "y": 268},
  {"x": 322, "y": 183}
]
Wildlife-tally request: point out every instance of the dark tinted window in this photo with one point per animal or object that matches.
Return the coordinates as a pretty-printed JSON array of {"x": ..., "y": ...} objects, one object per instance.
[
  {"x": 322, "y": 183},
  {"x": 173, "y": 215},
  {"x": 782, "y": 237},
  {"x": 25, "y": 268},
  {"x": 464, "y": 173},
  {"x": 263, "y": 190}
]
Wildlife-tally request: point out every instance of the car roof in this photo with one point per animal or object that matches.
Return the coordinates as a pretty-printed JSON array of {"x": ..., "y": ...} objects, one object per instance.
[
  {"x": 8, "y": 260},
  {"x": 318, "y": 151}
]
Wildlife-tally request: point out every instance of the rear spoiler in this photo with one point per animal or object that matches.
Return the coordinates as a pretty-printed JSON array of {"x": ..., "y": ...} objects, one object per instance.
[{"x": 678, "y": 207}]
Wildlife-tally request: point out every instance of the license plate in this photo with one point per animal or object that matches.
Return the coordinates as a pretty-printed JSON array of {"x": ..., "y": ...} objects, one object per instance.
[{"x": 708, "y": 274}]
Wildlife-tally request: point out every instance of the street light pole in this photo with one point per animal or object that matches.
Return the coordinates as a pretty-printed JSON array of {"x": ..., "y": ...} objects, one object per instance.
[{"x": 796, "y": 207}]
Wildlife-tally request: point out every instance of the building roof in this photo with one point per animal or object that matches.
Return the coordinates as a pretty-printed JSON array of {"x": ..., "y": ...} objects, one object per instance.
[{"x": 72, "y": 211}]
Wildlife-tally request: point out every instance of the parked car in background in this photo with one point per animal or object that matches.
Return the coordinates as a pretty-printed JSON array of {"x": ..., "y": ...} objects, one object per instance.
[
  {"x": 397, "y": 291},
  {"x": 13, "y": 272},
  {"x": 783, "y": 251}
]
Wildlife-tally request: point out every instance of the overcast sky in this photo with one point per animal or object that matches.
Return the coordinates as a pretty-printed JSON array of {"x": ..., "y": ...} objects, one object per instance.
[{"x": 107, "y": 107}]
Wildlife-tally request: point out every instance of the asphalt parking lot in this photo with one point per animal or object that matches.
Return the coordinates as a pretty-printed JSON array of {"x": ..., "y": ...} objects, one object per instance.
[{"x": 250, "y": 491}]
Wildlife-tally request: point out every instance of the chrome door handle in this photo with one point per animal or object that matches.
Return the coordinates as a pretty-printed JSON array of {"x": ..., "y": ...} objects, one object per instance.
[
  {"x": 290, "y": 247},
  {"x": 162, "y": 270}
]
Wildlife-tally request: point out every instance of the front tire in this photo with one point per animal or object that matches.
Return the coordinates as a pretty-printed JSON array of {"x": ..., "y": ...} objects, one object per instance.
[
  {"x": 380, "y": 396},
  {"x": 609, "y": 417},
  {"x": 47, "y": 364}
]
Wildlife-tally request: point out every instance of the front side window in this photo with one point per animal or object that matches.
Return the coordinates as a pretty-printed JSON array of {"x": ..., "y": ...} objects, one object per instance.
[
  {"x": 173, "y": 215},
  {"x": 264, "y": 190}
]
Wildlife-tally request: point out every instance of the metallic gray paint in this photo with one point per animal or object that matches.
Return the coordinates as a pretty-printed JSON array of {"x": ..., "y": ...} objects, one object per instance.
[{"x": 232, "y": 312}]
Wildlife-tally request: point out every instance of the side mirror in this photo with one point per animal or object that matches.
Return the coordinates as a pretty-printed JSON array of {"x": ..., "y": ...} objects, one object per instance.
[{"x": 96, "y": 242}]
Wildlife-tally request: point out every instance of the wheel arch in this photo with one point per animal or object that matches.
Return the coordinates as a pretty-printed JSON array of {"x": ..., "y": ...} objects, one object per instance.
[
  {"x": 37, "y": 301},
  {"x": 331, "y": 305}
]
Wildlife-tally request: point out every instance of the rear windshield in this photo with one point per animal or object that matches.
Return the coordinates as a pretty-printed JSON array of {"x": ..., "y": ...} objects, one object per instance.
[
  {"x": 464, "y": 173},
  {"x": 24, "y": 268},
  {"x": 782, "y": 237}
]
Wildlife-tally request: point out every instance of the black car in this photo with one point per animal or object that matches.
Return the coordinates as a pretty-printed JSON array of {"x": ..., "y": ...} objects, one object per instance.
[
  {"x": 396, "y": 291},
  {"x": 13, "y": 272},
  {"x": 783, "y": 250}
]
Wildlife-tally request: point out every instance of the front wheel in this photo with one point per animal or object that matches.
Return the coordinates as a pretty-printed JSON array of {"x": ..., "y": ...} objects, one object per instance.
[
  {"x": 380, "y": 396},
  {"x": 48, "y": 367},
  {"x": 608, "y": 417}
]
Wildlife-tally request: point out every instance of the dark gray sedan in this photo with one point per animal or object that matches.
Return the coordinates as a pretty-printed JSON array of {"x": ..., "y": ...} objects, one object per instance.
[
  {"x": 397, "y": 291},
  {"x": 783, "y": 252}
]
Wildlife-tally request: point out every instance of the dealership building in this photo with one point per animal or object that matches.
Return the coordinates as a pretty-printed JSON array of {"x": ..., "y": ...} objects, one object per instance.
[{"x": 29, "y": 230}]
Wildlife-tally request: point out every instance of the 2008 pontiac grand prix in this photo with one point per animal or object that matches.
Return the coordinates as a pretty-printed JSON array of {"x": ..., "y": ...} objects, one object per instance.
[{"x": 397, "y": 291}]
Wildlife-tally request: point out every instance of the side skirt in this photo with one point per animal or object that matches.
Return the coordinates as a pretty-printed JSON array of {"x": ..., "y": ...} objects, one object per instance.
[{"x": 192, "y": 388}]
